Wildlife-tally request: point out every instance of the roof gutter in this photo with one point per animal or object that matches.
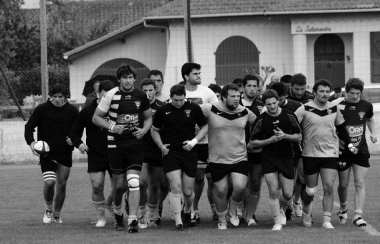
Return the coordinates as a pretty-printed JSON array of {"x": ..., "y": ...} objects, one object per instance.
[{"x": 146, "y": 25}]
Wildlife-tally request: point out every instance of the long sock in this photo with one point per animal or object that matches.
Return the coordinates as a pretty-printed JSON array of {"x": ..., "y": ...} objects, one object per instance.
[
  {"x": 117, "y": 210},
  {"x": 283, "y": 202},
  {"x": 222, "y": 216},
  {"x": 234, "y": 205},
  {"x": 297, "y": 193},
  {"x": 213, "y": 207},
  {"x": 343, "y": 206},
  {"x": 306, "y": 207},
  {"x": 100, "y": 209},
  {"x": 198, "y": 189},
  {"x": 175, "y": 205},
  {"x": 49, "y": 206},
  {"x": 142, "y": 210},
  {"x": 251, "y": 203},
  {"x": 326, "y": 217},
  {"x": 188, "y": 203},
  {"x": 131, "y": 218},
  {"x": 57, "y": 213},
  {"x": 358, "y": 214},
  {"x": 274, "y": 206},
  {"x": 156, "y": 213},
  {"x": 151, "y": 210}
]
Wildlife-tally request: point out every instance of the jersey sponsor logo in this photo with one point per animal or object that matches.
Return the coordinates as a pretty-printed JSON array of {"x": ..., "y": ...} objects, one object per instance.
[
  {"x": 127, "y": 97},
  {"x": 219, "y": 113},
  {"x": 354, "y": 131},
  {"x": 137, "y": 103},
  {"x": 167, "y": 113},
  {"x": 329, "y": 111},
  {"x": 352, "y": 108},
  {"x": 188, "y": 111},
  {"x": 361, "y": 115}
]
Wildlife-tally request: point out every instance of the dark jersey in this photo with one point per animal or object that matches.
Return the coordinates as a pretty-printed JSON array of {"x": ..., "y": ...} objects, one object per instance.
[
  {"x": 292, "y": 105},
  {"x": 150, "y": 147},
  {"x": 178, "y": 125},
  {"x": 356, "y": 115},
  {"x": 304, "y": 99},
  {"x": 256, "y": 107},
  {"x": 263, "y": 129}
]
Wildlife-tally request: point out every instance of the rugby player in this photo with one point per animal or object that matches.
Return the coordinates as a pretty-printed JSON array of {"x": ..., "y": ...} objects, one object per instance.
[{"x": 158, "y": 78}]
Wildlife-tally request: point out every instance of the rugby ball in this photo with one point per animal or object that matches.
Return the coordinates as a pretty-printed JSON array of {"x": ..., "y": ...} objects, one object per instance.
[{"x": 41, "y": 147}]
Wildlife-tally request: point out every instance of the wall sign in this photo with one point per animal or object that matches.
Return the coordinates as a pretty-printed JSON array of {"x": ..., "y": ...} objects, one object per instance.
[{"x": 311, "y": 29}]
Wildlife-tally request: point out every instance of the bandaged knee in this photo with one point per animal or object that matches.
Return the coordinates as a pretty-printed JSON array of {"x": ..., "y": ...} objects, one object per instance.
[{"x": 133, "y": 182}]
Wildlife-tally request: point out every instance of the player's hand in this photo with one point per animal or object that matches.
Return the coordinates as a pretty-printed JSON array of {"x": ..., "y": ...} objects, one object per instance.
[
  {"x": 83, "y": 148},
  {"x": 164, "y": 149},
  {"x": 373, "y": 139},
  {"x": 118, "y": 129},
  {"x": 275, "y": 138},
  {"x": 32, "y": 147},
  {"x": 139, "y": 133},
  {"x": 68, "y": 141},
  {"x": 279, "y": 133},
  {"x": 188, "y": 145}
]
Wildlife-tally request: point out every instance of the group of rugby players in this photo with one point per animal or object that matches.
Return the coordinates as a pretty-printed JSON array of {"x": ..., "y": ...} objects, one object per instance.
[{"x": 154, "y": 144}]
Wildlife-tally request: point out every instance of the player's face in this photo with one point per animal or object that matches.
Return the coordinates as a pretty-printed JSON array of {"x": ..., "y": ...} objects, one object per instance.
[
  {"x": 150, "y": 92},
  {"x": 232, "y": 99},
  {"x": 272, "y": 105},
  {"x": 127, "y": 82},
  {"x": 298, "y": 90},
  {"x": 353, "y": 95},
  {"x": 159, "y": 82},
  {"x": 58, "y": 99},
  {"x": 178, "y": 101},
  {"x": 281, "y": 101},
  {"x": 250, "y": 89},
  {"x": 194, "y": 78},
  {"x": 260, "y": 90},
  {"x": 322, "y": 94}
]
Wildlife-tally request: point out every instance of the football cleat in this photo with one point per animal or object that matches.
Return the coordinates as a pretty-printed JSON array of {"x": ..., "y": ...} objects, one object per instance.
[
  {"x": 143, "y": 223},
  {"x": 277, "y": 227},
  {"x": 297, "y": 209},
  {"x": 234, "y": 218},
  {"x": 327, "y": 225},
  {"x": 342, "y": 215},
  {"x": 359, "y": 222},
  {"x": 179, "y": 227},
  {"x": 57, "y": 220},
  {"x": 132, "y": 227},
  {"x": 119, "y": 222},
  {"x": 222, "y": 226},
  {"x": 47, "y": 217},
  {"x": 282, "y": 217},
  {"x": 100, "y": 223},
  {"x": 306, "y": 219},
  {"x": 187, "y": 221}
]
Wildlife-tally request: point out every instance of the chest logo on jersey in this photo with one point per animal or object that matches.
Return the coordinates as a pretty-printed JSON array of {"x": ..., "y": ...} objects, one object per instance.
[
  {"x": 355, "y": 130},
  {"x": 137, "y": 103},
  {"x": 188, "y": 111},
  {"x": 127, "y": 97},
  {"x": 329, "y": 111},
  {"x": 352, "y": 108},
  {"x": 361, "y": 115}
]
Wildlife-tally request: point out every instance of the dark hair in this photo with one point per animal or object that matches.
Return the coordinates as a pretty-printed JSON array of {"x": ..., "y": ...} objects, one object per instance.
[
  {"x": 187, "y": 68},
  {"x": 227, "y": 88},
  {"x": 182, "y": 83},
  {"x": 321, "y": 82},
  {"x": 106, "y": 85},
  {"x": 355, "y": 83},
  {"x": 178, "y": 90},
  {"x": 286, "y": 79},
  {"x": 156, "y": 72},
  {"x": 338, "y": 89},
  {"x": 125, "y": 69},
  {"x": 238, "y": 82},
  {"x": 147, "y": 82},
  {"x": 60, "y": 89},
  {"x": 215, "y": 88},
  {"x": 280, "y": 88},
  {"x": 250, "y": 77},
  {"x": 270, "y": 93},
  {"x": 298, "y": 79}
]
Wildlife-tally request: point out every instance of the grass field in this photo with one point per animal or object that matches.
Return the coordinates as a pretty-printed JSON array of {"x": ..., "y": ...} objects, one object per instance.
[{"x": 22, "y": 210}]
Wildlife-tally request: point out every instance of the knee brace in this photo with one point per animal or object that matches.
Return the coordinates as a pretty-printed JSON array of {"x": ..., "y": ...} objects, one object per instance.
[
  {"x": 49, "y": 175},
  {"x": 133, "y": 182},
  {"x": 311, "y": 191}
]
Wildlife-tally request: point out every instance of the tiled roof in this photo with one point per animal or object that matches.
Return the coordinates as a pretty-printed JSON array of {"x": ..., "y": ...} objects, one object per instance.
[{"x": 225, "y": 7}]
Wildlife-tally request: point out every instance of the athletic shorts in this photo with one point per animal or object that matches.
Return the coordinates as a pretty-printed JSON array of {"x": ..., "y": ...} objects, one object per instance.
[
  {"x": 346, "y": 161},
  {"x": 50, "y": 161},
  {"x": 155, "y": 162},
  {"x": 98, "y": 164},
  {"x": 181, "y": 159},
  {"x": 202, "y": 150},
  {"x": 313, "y": 165},
  {"x": 281, "y": 165},
  {"x": 255, "y": 158},
  {"x": 219, "y": 171},
  {"x": 122, "y": 159}
]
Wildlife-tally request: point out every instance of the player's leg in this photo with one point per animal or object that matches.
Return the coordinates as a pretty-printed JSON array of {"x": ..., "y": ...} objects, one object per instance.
[
  {"x": 239, "y": 186},
  {"x": 210, "y": 197},
  {"x": 175, "y": 182},
  {"x": 48, "y": 169},
  {"x": 344, "y": 179},
  {"x": 155, "y": 180},
  {"x": 199, "y": 184},
  {"x": 307, "y": 197},
  {"x": 188, "y": 197},
  {"x": 63, "y": 173},
  {"x": 254, "y": 192},
  {"x": 109, "y": 199},
  {"x": 133, "y": 180},
  {"x": 97, "y": 195},
  {"x": 162, "y": 194},
  {"x": 274, "y": 204},
  {"x": 220, "y": 190},
  {"x": 285, "y": 196},
  {"x": 328, "y": 176},
  {"x": 143, "y": 195},
  {"x": 299, "y": 183},
  {"x": 359, "y": 176}
]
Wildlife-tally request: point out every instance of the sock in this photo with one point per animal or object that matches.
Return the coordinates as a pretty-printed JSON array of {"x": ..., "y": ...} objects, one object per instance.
[
  {"x": 358, "y": 214},
  {"x": 326, "y": 217},
  {"x": 175, "y": 205},
  {"x": 343, "y": 206},
  {"x": 297, "y": 193},
  {"x": 151, "y": 210},
  {"x": 57, "y": 213},
  {"x": 251, "y": 203},
  {"x": 306, "y": 208},
  {"x": 117, "y": 210},
  {"x": 213, "y": 207},
  {"x": 142, "y": 210},
  {"x": 110, "y": 208},
  {"x": 274, "y": 206},
  {"x": 156, "y": 213},
  {"x": 283, "y": 202},
  {"x": 222, "y": 216},
  {"x": 49, "y": 206},
  {"x": 131, "y": 218},
  {"x": 100, "y": 209},
  {"x": 188, "y": 203},
  {"x": 198, "y": 189}
]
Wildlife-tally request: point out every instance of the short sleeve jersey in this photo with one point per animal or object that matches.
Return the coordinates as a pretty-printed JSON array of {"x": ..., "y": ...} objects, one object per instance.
[
  {"x": 356, "y": 115},
  {"x": 149, "y": 145},
  {"x": 226, "y": 132},
  {"x": 124, "y": 108},
  {"x": 263, "y": 129},
  {"x": 319, "y": 132},
  {"x": 177, "y": 125},
  {"x": 256, "y": 107}
]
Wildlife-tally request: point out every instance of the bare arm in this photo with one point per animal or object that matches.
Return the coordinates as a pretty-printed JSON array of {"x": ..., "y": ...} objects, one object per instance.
[
  {"x": 140, "y": 132},
  {"x": 371, "y": 127},
  {"x": 157, "y": 139}
]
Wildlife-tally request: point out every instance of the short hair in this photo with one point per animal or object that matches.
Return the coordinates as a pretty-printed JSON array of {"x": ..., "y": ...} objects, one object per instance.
[
  {"x": 125, "y": 69},
  {"x": 178, "y": 90},
  {"x": 182, "y": 83},
  {"x": 250, "y": 77},
  {"x": 60, "y": 89},
  {"x": 238, "y": 82},
  {"x": 298, "y": 79},
  {"x": 156, "y": 72},
  {"x": 147, "y": 82},
  {"x": 321, "y": 82},
  {"x": 106, "y": 85},
  {"x": 338, "y": 89},
  {"x": 227, "y": 88},
  {"x": 280, "y": 88},
  {"x": 188, "y": 67},
  {"x": 355, "y": 83},
  {"x": 270, "y": 93},
  {"x": 286, "y": 79},
  {"x": 215, "y": 88}
]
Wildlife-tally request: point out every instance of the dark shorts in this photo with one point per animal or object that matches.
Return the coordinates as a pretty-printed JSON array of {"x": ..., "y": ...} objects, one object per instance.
[
  {"x": 219, "y": 171},
  {"x": 181, "y": 159},
  {"x": 202, "y": 150},
  {"x": 346, "y": 161},
  {"x": 285, "y": 166},
  {"x": 255, "y": 158},
  {"x": 314, "y": 165},
  {"x": 50, "y": 161},
  {"x": 154, "y": 162},
  {"x": 122, "y": 159},
  {"x": 98, "y": 164}
]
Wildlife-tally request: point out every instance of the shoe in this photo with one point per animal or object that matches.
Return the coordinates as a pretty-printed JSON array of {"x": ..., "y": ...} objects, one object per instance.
[
  {"x": 152, "y": 224},
  {"x": 157, "y": 221},
  {"x": 143, "y": 223},
  {"x": 214, "y": 216},
  {"x": 132, "y": 227},
  {"x": 306, "y": 219},
  {"x": 297, "y": 207},
  {"x": 234, "y": 219},
  {"x": 282, "y": 217},
  {"x": 47, "y": 217},
  {"x": 251, "y": 222},
  {"x": 197, "y": 218},
  {"x": 100, "y": 223},
  {"x": 327, "y": 225},
  {"x": 342, "y": 215},
  {"x": 277, "y": 227},
  {"x": 222, "y": 226},
  {"x": 193, "y": 221},
  {"x": 359, "y": 222},
  {"x": 289, "y": 214},
  {"x": 186, "y": 220},
  {"x": 179, "y": 227},
  {"x": 119, "y": 222},
  {"x": 57, "y": 220}
]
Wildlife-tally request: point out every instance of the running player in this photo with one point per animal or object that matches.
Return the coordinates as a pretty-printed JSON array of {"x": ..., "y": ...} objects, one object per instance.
[
  {"x": 228, "y": 154},
  {"x": 53, "y": 120},
  {"x": 358, "y": 114},
  {"x": 126, "y": 106},
  {"x": 96, "y": 149},
  {"x": 275, "y": 131},
  {"x": 174, "y": 133}
]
